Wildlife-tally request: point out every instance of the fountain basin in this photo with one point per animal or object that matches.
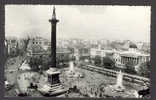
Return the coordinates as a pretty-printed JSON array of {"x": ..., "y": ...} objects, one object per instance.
[
  {"x": 112, "y": 91},
  {"x": 72, "y": 73}
]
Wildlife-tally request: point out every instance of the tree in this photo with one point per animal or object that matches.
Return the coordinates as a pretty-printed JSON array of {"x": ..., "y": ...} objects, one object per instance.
[
  {"x": 34, "y": 63},
  {"x": 46, "y": 61},
  {"x": 108, "y": 62},
  {"x": 22, "y": 46},
  {"x": 26, "y": 42},
  {"x": 130, "y": 68},
  {"x": 97, "y": 60},
  {"x": 144, "y": 69},
  {"x": 62, "y": 59}
]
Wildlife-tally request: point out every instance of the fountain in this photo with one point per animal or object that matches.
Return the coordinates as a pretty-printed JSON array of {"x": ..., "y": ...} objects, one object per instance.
[
  {"x": 72, "y": 73},
  {"x": 119, "y": 83},
  {"x": 119, "y": 90},
  {"x": 71, "y": 67}
]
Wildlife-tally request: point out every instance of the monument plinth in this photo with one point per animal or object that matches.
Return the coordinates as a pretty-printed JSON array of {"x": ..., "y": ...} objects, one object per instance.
[{"x": 53, "y": 76}]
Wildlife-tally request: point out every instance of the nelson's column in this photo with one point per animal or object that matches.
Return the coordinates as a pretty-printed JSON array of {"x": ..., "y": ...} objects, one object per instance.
[
  {"x": 53, "y": 73},
  {"x": 54, "y": 83},
  {"x": 53, "y": 22}
]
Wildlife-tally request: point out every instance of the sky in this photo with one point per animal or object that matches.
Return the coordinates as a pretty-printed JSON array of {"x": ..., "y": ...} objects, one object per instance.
[{"x": 77, "y": 21}]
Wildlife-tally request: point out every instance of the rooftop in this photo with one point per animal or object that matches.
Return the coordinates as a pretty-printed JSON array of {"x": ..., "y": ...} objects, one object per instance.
[{"x": 132, "y": 45}]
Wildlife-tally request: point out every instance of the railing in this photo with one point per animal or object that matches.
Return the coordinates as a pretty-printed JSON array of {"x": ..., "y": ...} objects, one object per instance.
[{"x": 127, "y": 77}]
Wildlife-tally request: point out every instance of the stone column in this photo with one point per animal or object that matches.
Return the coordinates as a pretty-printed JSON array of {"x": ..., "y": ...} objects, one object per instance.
[{"x": 53, "y": 22}]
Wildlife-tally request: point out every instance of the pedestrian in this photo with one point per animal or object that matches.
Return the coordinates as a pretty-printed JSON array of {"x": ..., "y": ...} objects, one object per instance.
[
  {"x": 100, "y": 95},
  {"x": 66, "y": 94},
  {"x": 95, "y": 93},
  {"x": 91, "y": 90}
]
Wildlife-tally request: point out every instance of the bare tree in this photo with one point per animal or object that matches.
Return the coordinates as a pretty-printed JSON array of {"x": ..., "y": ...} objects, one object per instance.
[{"x": 26, "y": 42}]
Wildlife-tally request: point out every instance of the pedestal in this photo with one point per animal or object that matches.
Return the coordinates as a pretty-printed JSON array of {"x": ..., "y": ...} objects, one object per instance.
[
  {"x": 53, "y": 76},
  {"x": 54, "y": 86}
]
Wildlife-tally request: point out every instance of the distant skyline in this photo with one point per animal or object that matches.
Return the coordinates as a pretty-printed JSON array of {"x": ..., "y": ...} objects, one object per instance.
[{"x": 90, "y": 22}]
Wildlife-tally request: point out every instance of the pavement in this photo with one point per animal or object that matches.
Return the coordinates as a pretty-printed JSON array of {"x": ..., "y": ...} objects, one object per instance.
[
  {"x": 92, "y": 81},
  {"x": 89, "y": 84}
]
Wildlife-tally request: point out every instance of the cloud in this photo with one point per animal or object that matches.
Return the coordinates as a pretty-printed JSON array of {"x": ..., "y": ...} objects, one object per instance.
[{"x": 111, "y": 22}]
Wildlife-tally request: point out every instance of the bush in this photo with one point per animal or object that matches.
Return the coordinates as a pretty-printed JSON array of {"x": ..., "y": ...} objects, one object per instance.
[
  {"x": 46, "y": 61},
  {"x": 144, "y": 69},
  {"x": 130, "y": 68},
  {"x": 34, "y": 63},
  {"x": 108, "y": 63},
  {"x": 97, "y": 60}
]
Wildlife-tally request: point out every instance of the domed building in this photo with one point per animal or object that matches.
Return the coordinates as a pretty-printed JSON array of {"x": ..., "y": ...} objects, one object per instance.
[
  {"x": 122, "y": 57},
  {"x": 132, "y": 47},
  {"x": 133, "y": 55}
]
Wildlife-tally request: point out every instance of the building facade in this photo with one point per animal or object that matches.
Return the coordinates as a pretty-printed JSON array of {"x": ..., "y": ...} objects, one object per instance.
[
  {"x": 39, "y": 47},
  {"x": 133, "y": 56},
  {"x": 121, "y": 58},
  {"x": 11, "y": 45}
]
